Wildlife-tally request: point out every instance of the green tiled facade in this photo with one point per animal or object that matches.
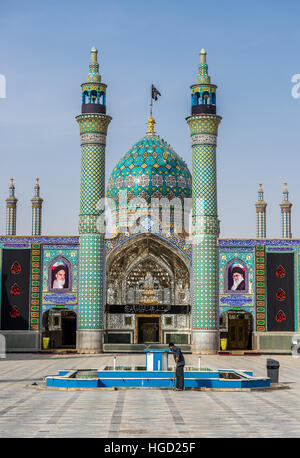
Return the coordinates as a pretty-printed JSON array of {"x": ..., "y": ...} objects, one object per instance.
[
  {"x": 35, "y": 286},
  {"x": 91, "y": 281}
]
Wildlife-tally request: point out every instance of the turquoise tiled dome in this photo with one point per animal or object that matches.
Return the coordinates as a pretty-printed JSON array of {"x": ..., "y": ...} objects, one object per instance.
[{"x": 151, "y": 168}]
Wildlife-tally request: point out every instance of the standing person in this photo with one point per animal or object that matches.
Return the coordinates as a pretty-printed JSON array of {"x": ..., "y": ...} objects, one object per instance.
[{"x": 179, "y": 360}]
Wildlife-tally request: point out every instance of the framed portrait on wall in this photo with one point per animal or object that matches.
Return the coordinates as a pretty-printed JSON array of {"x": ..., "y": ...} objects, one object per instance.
[
  {"x": 59, "y": 275},
  {"x": 236, "y": 277}
]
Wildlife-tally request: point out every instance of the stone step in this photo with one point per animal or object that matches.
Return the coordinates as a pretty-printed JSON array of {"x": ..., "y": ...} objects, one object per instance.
[{"x": 139, "y": 348}]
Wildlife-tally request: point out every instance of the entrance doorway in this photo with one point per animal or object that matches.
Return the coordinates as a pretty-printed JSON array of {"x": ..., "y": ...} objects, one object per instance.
[
  {"x": 237, "y": 327},
  {"x": 148, "y": 329},
  {"x": 237, "y": 334},
  {"x": 60, "y": 326},
  {"x": 68, "y": 325}
]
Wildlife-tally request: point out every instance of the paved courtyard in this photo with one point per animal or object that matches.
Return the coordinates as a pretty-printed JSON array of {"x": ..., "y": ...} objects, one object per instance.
[{"x": 26, "y": 412}]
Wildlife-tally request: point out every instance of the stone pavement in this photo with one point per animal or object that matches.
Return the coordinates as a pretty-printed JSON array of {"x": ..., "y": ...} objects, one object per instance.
[{"x": 26, "y": 412}]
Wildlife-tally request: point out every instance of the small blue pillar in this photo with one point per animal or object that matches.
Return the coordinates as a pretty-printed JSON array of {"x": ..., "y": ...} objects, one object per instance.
[{"x": 157, "y": 359}]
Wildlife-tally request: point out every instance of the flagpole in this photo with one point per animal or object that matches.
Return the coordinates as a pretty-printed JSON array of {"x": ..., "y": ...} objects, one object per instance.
[{"x": 151, "y": 102}]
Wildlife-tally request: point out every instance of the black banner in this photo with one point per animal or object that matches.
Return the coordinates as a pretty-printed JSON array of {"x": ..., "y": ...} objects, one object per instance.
[
  {"x": 280, "y": 292},
  {"x": 163, "y": 309},
  {"x": 15, "y": 290}
]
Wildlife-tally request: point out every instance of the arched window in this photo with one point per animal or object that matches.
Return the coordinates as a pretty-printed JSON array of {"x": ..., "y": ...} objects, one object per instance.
[
  {"x": 213, "y": 98},
  {"x": 236, "y": 277},
  {"x": 85, "y": 97},
  {"x": 205, "y": 98},
  {"x": 93, "y": 96},
  {"x": 60, "y": 275},
  {"x": 102, "y": 98}
]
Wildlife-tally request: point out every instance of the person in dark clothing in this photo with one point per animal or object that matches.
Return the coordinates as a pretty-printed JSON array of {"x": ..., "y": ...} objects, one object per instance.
[{"x": 179, "y": 360}]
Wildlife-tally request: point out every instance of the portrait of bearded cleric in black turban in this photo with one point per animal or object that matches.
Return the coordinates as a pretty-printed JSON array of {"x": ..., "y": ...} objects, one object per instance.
[
  {"x": 236, "y": 278},
  {"x": 59, "y": 276}
]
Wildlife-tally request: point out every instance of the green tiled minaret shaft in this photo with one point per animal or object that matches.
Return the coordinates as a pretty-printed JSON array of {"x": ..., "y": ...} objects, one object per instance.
[
  {"x": 260, "y": 206},
  {"x": 93, "y": 123},
  {"x": 285, "y": 207},
  {"x": 37, "y": 203},
  {"x": 11, "y": 210},
  {"x": 203, "y": 124}
]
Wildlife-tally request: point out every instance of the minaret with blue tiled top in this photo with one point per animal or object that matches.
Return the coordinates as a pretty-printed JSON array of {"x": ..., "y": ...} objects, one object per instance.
[
  {"x": 93, "y": 124},
  {"x": 37, "y": 203},
  {"x": 260, "y": 206},
  {"x": 203, "y": 124},
  {"x": 285, "y": 207},
  {"x": 11, "y": 210}
]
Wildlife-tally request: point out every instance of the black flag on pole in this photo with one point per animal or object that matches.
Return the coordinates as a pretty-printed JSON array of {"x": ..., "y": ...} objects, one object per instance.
[{"x": 154, "y": 92}]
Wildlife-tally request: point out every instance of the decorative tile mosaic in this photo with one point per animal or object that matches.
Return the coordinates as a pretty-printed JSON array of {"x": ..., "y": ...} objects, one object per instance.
[
  {"x": 260, "y": 261},
  {"x": 35, "y": 289},
  {"x": 91, "y": 281},
  {"x": 42, "y": 240},
  {"x": 239, "y": 299},
  {"x": 254, "y": 242},
  {"x": 151, "y": 168},
  {"x": 92, "y": 189},
  {"x": 206, "y": 225},
  {"x": 185, "y": 247}
]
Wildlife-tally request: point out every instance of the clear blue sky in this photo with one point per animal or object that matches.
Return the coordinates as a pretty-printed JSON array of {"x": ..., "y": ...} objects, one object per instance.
[{"x": 253, "y": 49}]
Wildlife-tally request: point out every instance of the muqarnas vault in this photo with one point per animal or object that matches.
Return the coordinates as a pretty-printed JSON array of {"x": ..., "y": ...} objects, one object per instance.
[{"x": 152, "y": 284}]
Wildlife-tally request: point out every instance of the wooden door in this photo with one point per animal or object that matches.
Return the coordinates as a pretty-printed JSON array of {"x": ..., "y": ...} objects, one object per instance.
[
  {"x": 237, "y": 334},
  {"x": 148, "y": 329}
]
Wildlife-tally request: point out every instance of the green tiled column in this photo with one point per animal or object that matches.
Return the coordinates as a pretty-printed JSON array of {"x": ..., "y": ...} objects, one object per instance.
[
  {"x": 286, "y": 206},
  {"x": 11, "y": 210},
  {"x": 203, "y": 126},
  {"x": 37, "y": 202},
  {"x": 93, "y": 130}
]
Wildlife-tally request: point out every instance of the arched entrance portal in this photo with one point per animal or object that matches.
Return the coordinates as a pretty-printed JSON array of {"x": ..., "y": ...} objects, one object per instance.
[
  {"x": 60, "y": 326},
  {"x": 237, "y": 327},
  {"x": 147, "y": 292}
]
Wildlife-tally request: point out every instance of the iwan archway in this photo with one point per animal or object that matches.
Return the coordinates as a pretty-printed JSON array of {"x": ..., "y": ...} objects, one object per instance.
[{"x": 147, "y": 292}]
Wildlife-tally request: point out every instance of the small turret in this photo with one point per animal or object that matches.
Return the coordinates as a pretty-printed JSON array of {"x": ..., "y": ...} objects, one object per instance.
[
  {"x": 260, "y": 214},
  {"x": 37, "y": 203},
  {"x": 285, "y": 207},
  {"x": 93, "y": 91},
  {"x": 203, "y": 92},
  {"x": 11, "y": 210}
]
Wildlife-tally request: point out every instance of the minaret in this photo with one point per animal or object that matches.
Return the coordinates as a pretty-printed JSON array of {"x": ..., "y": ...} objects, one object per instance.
[
  {"x": 260, "y": 214},
  {"x": 93, "y": 123},
  {"x": 37, "y": 203},
  {"x": 285, "y": 207},
  {"x": 203, "y": 124},
  {"x": 11, "y": 210}
]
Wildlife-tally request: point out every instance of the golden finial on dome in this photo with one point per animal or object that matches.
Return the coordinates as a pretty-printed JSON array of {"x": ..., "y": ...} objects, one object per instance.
[
  {"x": 154, "y": 94},
  {"x": 151, "y": 123}
]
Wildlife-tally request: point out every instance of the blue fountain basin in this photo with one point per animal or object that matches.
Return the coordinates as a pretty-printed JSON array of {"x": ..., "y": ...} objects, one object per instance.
[{"x": 221, "y": 379}]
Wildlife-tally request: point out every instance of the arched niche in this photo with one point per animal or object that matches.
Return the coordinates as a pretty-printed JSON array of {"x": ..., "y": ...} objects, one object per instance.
[
  {"x": 130, "y": 261},
  {"x": 134, "y": 279}
]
